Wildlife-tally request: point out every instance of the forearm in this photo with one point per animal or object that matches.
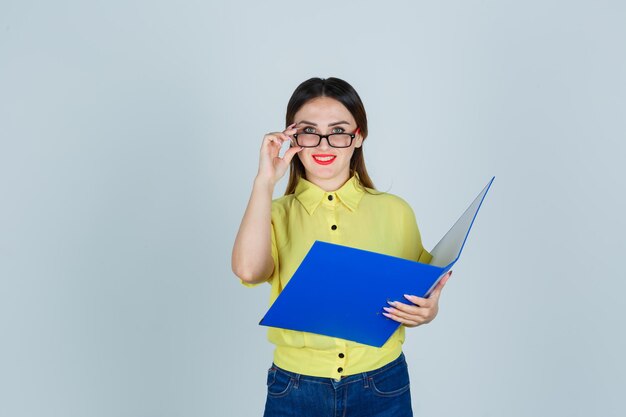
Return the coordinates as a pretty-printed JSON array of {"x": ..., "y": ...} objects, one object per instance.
[{"x": 252, "y": 258}]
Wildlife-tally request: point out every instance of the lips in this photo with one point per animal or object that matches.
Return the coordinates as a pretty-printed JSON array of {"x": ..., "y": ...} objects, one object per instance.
[{"x": 324, "y": 159}]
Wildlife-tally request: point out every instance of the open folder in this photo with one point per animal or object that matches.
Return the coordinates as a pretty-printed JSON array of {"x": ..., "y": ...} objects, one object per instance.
[{"x": 362, "y": 282}]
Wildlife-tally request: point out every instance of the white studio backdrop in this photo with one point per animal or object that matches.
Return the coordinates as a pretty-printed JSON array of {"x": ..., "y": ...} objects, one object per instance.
[{"x": 129, "y": 139}]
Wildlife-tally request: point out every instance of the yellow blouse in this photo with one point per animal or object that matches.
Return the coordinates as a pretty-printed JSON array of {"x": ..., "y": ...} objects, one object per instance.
[{"x": 350, "y": 216}]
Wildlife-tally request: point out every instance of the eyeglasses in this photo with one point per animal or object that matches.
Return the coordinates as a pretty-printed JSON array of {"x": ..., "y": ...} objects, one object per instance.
[{"x": 335, "y": 140}]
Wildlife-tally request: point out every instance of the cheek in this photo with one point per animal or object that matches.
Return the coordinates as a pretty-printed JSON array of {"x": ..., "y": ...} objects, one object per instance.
[{"x": 347, "y": 153}]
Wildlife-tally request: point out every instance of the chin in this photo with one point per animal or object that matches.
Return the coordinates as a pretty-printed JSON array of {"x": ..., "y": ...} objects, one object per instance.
[{"x": 325, "y": 172}]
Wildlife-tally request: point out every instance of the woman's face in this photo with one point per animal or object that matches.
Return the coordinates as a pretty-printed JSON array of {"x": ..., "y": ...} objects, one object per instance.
[{"x": 325, "y": 166}]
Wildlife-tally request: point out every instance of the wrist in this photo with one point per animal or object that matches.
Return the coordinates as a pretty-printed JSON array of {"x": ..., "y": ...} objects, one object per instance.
[{"x": 264, "y": 183}]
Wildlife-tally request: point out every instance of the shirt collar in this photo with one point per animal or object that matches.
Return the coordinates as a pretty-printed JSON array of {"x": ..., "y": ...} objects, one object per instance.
[{"x": 310, "y": 195}]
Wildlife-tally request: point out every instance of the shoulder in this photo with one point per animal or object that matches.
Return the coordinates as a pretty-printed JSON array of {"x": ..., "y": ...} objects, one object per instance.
[
  {"x": 281, "y": 205},
  {"x": 388, "y": 201}
]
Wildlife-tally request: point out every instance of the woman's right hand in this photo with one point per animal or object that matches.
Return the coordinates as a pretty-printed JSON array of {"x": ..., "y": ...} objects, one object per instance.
[{"x": 271, "y": 166}]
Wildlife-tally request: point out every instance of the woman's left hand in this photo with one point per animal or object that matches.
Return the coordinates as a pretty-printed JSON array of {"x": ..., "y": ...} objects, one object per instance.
[{"x": 424, "y": 310}]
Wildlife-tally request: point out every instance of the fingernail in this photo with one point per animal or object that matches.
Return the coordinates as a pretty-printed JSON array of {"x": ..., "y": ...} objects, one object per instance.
[
  {"x": 393, "y": 303},
  {"x": 387, "y": 309}
]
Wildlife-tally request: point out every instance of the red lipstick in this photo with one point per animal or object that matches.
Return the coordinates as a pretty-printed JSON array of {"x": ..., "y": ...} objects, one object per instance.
[{"x": 324, "y": 159}]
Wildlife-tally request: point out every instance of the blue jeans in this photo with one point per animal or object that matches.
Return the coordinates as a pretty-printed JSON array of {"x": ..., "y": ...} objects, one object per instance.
[{"x": 379, "y": 393}]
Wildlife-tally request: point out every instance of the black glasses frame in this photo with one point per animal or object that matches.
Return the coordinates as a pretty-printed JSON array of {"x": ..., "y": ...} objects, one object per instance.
[{"x": 352, "y": 136}]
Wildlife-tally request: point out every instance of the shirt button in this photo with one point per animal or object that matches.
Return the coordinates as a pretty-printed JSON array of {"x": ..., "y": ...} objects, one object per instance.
[
  {"x": 340, "y": 369},
  {"x": 330, "y": 197},
  {"x": 341, "y": 355},
  {"x": 334, "y": 227}
]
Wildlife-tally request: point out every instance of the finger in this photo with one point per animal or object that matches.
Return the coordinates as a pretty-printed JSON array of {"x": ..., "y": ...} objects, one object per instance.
[
  {"x": 269, "y": 138},
  {"x": 403, "y": 307},
  {"x": 420, "y": 314},
  {"x": 289, "y": 131},
  {"x": 291, "y": 127},
  {"x": 402, "y": 320},
  {"x": 286, "y": 137},
  {"x": 418, "y": 301},
  {"x": 274, "y": 137}
]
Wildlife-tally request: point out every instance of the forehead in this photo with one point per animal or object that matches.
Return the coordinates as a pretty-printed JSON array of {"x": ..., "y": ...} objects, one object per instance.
[{"x": 324, "y": 109}]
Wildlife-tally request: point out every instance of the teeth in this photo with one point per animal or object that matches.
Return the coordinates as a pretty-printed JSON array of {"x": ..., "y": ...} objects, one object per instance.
[{"x": 323, "y": 158}]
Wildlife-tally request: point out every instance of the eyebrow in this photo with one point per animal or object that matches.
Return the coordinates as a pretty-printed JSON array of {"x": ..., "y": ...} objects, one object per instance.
[{"x": 342, "y": 122}]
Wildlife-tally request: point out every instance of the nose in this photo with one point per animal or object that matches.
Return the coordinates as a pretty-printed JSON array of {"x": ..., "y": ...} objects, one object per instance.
[{"x": 324, "y": 144}]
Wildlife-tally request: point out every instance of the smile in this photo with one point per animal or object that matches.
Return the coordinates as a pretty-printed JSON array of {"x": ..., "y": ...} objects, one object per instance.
[{"x": 324, "y": 159}]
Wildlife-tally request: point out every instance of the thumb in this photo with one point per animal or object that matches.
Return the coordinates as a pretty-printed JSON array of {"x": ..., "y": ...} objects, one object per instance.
[
  {"x": 289, "y": 153},
  {"x": 444, "y": 280},
  {"x": 437, "y": 291}
]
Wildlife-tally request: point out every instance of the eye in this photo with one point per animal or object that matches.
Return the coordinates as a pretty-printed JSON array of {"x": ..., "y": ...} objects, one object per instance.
[
  {"x": 338, "y": 130},
  {"x": 309, "y": 129}
]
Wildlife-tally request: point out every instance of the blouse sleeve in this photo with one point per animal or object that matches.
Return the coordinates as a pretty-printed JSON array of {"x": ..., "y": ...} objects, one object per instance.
[{"x": 414, "y": 239}]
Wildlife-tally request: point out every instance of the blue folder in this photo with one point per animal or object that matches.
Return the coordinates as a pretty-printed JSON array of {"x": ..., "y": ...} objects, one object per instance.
[{"x": 361, "y": 282}]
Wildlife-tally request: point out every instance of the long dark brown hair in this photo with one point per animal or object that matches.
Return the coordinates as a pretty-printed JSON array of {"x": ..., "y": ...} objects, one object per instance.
[{"x": 346, "y": 95}]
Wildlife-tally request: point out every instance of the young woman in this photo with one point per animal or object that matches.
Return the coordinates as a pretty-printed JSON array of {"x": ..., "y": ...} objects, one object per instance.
[{"x": 329, "y": 197}]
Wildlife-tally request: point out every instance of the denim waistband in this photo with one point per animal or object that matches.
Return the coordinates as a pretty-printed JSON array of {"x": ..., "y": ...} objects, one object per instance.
[{"x": 364, "y": 376}]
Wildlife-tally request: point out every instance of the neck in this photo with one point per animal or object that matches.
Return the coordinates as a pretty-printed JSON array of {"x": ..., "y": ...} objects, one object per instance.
[{"x": 330, "y": 184}]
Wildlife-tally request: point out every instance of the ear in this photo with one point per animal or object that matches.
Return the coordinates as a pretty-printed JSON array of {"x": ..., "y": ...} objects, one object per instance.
[{"x": 358, "y": 140}]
